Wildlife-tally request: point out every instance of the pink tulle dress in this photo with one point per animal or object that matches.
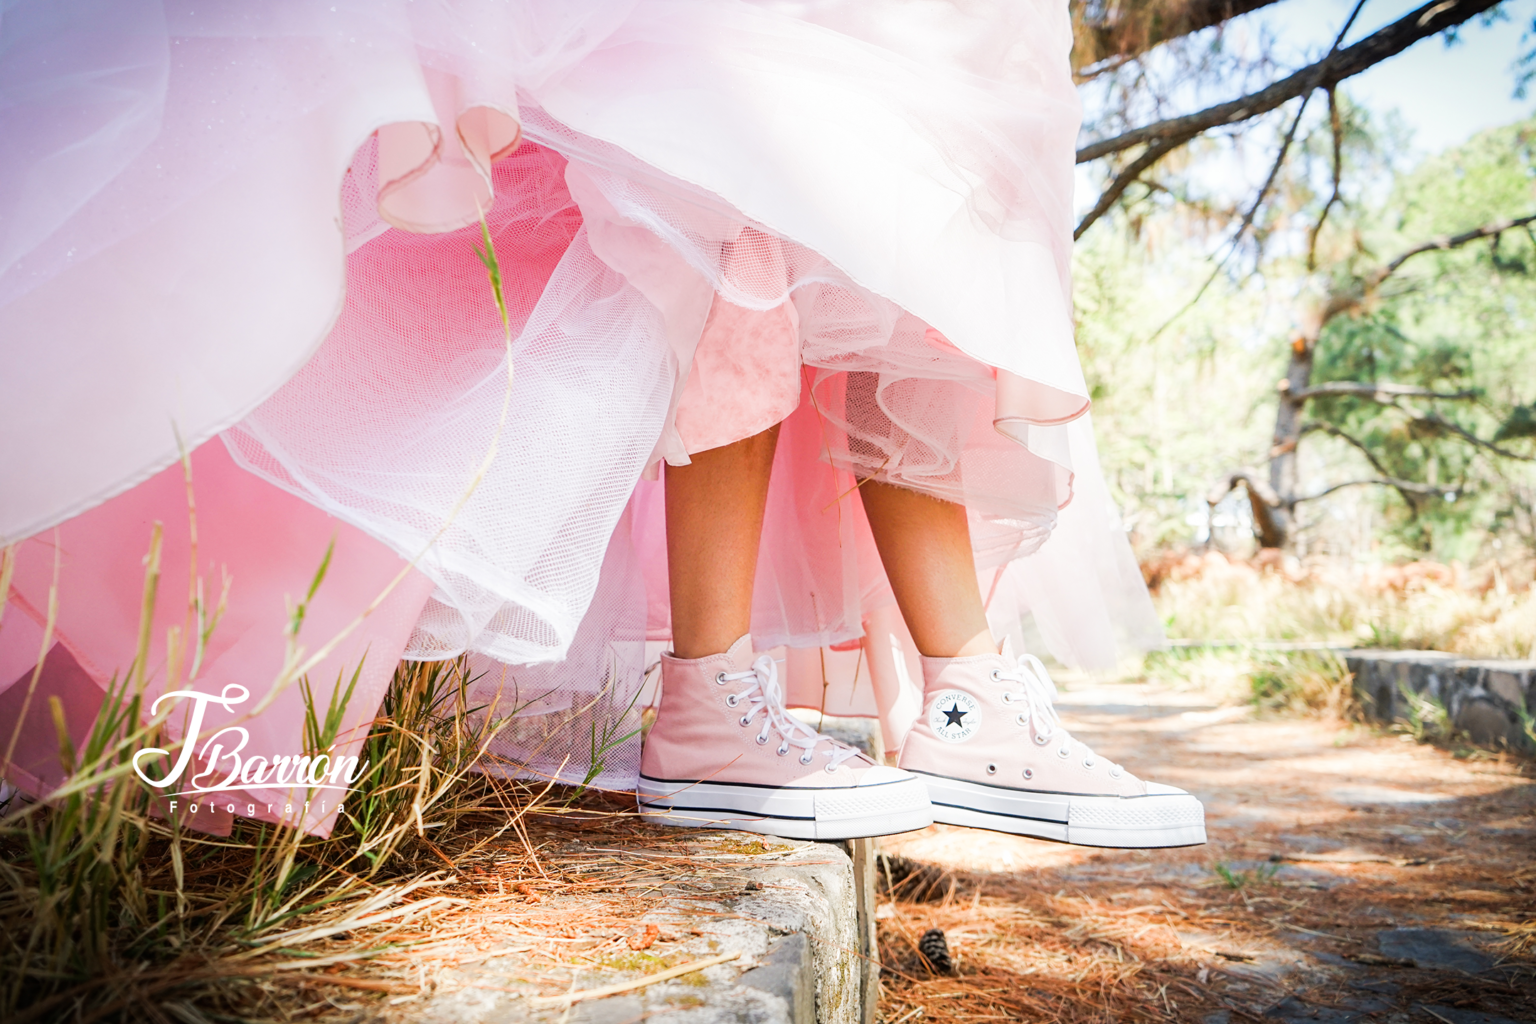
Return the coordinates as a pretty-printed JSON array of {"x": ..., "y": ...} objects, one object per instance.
[{"x": 249, "y": 231}]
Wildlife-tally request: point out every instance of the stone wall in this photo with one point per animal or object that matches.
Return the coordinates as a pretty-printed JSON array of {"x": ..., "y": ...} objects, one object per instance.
[{"x": 1487, "y": 700}]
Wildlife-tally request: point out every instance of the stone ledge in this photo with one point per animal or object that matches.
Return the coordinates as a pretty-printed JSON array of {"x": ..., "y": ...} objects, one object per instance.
[
  {"x": 792, "y": 910},
  {"x": 1485, "y": 699}
]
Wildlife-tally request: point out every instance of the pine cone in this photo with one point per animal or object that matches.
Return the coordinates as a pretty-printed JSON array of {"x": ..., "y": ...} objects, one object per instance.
[{"x": 936, "y": 951}]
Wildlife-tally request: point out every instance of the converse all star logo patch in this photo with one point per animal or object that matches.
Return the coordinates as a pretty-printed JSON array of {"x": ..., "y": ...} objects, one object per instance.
[{"x": 955, "y": 716}]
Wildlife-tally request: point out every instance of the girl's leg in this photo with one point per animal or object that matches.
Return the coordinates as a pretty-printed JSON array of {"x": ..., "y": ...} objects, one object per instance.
[
  {"x": 925, "y": 546},
  {"x": 724, "y": 751},
  {"x": 714, "y": 524},
  {"x": 988, "y": 743}
]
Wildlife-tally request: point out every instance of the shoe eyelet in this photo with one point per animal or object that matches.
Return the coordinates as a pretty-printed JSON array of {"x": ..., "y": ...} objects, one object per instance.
[
  {"x": 1088, "y": 763},
  {"x": 1029, "y": 773},
  {"x": 719, "y": 678},
  {"x": 806, "y": 759},
  {"x": 831, "y": 768},
  {"x": 731, "y": 700},
  {"x": 991, "y": 769},
  {"x": 1007, "y": 698},
  {"x": 1116, "y": 772},
  {"x": 1064, "y": 753},
  {"x": 1021, "y": 718},
  {"x": 783, "y": 749},
  {"x": 1042, "y": 739},
  {"x": 997, "y": 675},
  {"x": 762, "y": 740}
]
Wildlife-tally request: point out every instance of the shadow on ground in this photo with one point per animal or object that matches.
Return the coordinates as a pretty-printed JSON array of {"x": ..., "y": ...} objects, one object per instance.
[{"x": 1350, "y": 876}]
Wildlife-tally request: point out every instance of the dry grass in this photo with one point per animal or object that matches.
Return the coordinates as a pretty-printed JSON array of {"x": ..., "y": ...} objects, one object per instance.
[
  {"x": 110, "y": 911},
  {"x": 107, "y": 912},
  {"x": 1485, "y": 613},
  {"x": 1274, "y": 632},
  {"x": 1038, "y": 957},
  {"x": 524, "y": 917}
]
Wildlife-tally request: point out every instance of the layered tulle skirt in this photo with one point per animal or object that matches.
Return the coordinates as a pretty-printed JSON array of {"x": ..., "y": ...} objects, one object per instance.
[{"x": 246, "y": 248}]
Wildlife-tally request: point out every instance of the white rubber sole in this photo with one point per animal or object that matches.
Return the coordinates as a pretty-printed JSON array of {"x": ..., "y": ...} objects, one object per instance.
[
  {"x": 1165, "y": 817},
  {"x": 841, "y": 812}
]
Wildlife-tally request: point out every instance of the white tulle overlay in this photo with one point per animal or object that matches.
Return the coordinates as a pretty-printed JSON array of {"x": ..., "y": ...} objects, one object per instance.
[{"x": 172, "y": 251}]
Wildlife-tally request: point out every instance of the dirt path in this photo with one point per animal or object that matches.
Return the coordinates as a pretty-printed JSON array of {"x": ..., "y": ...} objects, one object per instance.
[{"x": 1350, "y": 876}]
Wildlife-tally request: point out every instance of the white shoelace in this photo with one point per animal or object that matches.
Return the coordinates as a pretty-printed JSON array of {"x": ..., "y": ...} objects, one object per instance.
[
  {"x": 1039, "y": 698},
  {"x": 764, "y": 694}
]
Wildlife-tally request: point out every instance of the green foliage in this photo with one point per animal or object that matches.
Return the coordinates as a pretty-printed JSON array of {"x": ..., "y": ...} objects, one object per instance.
[
  {"x": 1425, "y": 718},
  {"x": 1174, "y": 412},
  {"x": 607, "y": 732},
  {"x": 1262, "y": 875},
  {"x": 1186, "y": 393},
  {"x": 424, "y": 742},
  {"x": 1301, "y": 681},
  {"x": 1521, "y": 422},
  {"x": 1450, "y": 321}
]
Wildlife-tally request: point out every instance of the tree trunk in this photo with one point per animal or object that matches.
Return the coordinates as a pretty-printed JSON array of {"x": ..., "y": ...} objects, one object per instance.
[
  {"x": 1283, "y": 466},
  {"x": 1271, "y": 522},
  {"x": 1274, "y": 504}
]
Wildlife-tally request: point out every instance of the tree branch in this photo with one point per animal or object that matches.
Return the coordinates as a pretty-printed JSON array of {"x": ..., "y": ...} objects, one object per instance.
[
  {"x": 1399, "y": 485},
  {"x": 1151, "y": 155},
  {"x": 1336, "y": 127},
  {"x": 1340, "y": 303},
  {"x": 1370, "y": 456},
  {"x": 1271, "y": 516},
  {"x": 1377, "y": 392},
  {"x": 1131, "y": 30},
  {"x": 1316, "y": 427},
  {"x": 1441, "y": 423},
  {"x": 1388, "y": 394},
  {"x": 1155, "y": 151},
  {"x": 1279, "y": 162},
  {"x": 1249, "y": 478},
  {"x": 1431, "y": 19},
  {"x": 1494, "y": 229}
]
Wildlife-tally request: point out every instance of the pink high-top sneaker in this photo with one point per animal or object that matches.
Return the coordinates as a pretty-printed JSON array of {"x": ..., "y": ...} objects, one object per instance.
[
  {"x": 994, "y": 755},
  {"x": 724, "y": 753}
]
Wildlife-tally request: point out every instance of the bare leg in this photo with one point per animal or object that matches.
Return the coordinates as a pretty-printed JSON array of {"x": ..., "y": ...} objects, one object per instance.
[
  {"x": 925, "y": 545},
  {"x": 723, "y": 751},
  {"x": 714, "y": 524}
]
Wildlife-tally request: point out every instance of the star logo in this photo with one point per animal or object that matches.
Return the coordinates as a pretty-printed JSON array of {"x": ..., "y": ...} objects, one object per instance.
[{"x": 954, "y": 716}]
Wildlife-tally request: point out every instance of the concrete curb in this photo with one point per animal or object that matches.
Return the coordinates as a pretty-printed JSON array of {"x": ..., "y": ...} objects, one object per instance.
[
  {"x": 1485, "y": 699},
  {"x": 798, "y": 913}
]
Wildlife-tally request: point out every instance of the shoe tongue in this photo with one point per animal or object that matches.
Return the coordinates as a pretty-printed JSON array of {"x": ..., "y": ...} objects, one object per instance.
[{"x": 1006, "y": 650}]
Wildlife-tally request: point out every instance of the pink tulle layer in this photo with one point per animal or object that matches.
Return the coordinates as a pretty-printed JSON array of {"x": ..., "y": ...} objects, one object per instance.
[{"x": 708, "y": 217}]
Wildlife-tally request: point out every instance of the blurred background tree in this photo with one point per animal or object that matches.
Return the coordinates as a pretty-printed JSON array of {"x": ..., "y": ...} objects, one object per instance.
[{"x": 1387, "y": 283}]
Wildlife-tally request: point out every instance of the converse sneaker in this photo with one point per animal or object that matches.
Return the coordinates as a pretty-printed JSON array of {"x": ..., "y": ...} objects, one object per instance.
[
  {"x": 725, "y": 753},
  {"x": 994, "y": 755}
]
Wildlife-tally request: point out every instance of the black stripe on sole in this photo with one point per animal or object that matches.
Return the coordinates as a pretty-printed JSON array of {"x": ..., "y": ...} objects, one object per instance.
[{"x": 736, "y": 812}]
